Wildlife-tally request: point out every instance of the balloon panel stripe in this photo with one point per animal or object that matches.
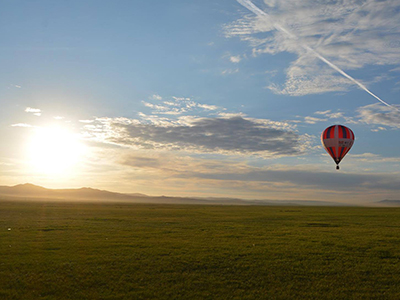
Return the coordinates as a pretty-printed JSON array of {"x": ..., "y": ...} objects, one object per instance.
[
  {"x": 341, "y": 152},
  {"x": 348, "y": 149},
  {"x": 340, "y": 132},
  {"x": 326, "y": 133},
  {"x": 344, "y": 132},
  {"x": 331, "y": 149},
  {"x": 334, "y": 152},
  {"x": 329, "y": 133}
]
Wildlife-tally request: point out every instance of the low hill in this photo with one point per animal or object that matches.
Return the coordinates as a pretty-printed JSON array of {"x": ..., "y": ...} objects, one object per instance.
[
  {"x": 390, "y": 202},
  {"x": 29, "y": 191}
]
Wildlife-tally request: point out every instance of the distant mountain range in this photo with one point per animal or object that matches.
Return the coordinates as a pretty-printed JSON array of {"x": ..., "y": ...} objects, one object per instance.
[
  {"x": 29, "y": 191},
  {"x": 390, "y": 202}
]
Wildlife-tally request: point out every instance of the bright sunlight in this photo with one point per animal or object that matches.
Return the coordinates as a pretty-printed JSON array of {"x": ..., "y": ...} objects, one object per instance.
[{"x": 54, "y": 150}]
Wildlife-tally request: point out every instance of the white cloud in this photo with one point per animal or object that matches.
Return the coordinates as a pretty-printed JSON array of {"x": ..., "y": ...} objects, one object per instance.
[
  {"x": 14, "y": 86},
  {"x": 208, "y": 107},
  {"x": 21, "y": 125},
  {"x": 312, "y": 120},
  {"x": 181, "y": 98},
  {"x": 235, "y": 59},
  {"x": 379, "y": 115},
  {"x": 32, "y": 110},
  {"x": 230, "y": 71},
  {"x": 307, "y": 75},
  {"x": 179, "y": 106},
  {"x": 336, "y": 115},
  {"x": 231, "y": 115},
  {"x": 154, "y": 106},
  {"x": 322, "y": 112},
  {"x": 350, "y": 34},
  {"x": 330, "y": 114},
  {"x": 155, "y": 97},
  {"x": 373, "y": 158},
  {"x": 378, "y": 129},
  {"x": 171, "y": 103}
]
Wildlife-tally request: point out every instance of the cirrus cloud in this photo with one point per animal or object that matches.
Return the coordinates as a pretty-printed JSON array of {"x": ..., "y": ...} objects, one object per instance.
[
  {"x": 380, "y": 115},
  {"x": 350, "y": 34}
]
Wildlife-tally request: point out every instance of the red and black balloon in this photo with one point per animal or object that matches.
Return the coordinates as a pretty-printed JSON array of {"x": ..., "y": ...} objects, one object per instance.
[{"x": 337, "y": 140}]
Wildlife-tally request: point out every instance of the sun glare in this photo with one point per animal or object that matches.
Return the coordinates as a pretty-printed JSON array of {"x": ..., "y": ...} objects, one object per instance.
[{"x": 54, "y": 150}]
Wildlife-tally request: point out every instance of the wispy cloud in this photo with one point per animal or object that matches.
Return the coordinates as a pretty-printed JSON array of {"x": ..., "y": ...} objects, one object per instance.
[
  {"x": 155, "y": 97},
  {"x": 373, "y": 158},
  {"x": 34, "y": 111},
  {"x": 327, "y": 39},
  {"x": 21, "y": 125},
  {"x": 17, "y": 86},
  {"x": 208, "y": 107},
  {"x": 379, "y": 128},
  {"x": 231, "y": 115},
  {"x": 235, "y": 59},
  {"x": 330, "y": 114},
  {"x": 313, "y": 120},
  {"x": 177, "y": 106},
  {"x": 307, "y": 75},
  {"x": 230, "y": 71},
  {"x": 379, "y": 115},
  {"x": 325, "y": 112},
  {"x": 376, "y": 114}
]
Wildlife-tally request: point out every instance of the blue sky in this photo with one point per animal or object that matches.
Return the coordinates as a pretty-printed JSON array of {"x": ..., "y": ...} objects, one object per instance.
[{"x": 197, "y": 98}]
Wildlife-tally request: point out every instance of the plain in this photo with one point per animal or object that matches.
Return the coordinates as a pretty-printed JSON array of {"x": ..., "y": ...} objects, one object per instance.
[{"x": 139, "y": 251}]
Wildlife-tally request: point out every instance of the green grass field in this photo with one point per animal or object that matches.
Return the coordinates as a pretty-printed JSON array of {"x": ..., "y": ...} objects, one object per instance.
[{"x": 121, "y": 251}]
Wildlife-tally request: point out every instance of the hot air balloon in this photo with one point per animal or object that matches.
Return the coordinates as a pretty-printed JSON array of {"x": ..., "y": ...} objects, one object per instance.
[{"x": 337, "y": 140}]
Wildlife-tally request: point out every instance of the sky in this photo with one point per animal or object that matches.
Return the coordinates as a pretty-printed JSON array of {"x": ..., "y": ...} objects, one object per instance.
[{"x": 201, "y": 98}]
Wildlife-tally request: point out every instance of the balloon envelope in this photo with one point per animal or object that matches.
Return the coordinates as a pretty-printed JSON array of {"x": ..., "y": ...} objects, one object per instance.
[{"x": 337, "y": 140}]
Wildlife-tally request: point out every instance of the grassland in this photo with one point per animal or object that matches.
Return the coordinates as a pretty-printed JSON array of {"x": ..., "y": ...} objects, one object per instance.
[{"x": 112, "y": 251}]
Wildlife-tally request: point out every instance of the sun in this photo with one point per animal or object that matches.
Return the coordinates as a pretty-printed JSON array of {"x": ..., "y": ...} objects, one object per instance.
[{"x": 54, "y": 150}]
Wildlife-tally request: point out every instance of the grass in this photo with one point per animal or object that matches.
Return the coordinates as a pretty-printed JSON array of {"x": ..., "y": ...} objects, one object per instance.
[{"x": 121, "y": 251}]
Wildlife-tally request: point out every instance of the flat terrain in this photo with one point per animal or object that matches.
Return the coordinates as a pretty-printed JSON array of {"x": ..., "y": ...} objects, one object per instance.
[{"x": 112, "y": 251}]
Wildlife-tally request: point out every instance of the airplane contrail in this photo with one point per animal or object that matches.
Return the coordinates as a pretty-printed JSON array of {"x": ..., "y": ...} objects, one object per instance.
[{"x": 250, "y": 6}]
